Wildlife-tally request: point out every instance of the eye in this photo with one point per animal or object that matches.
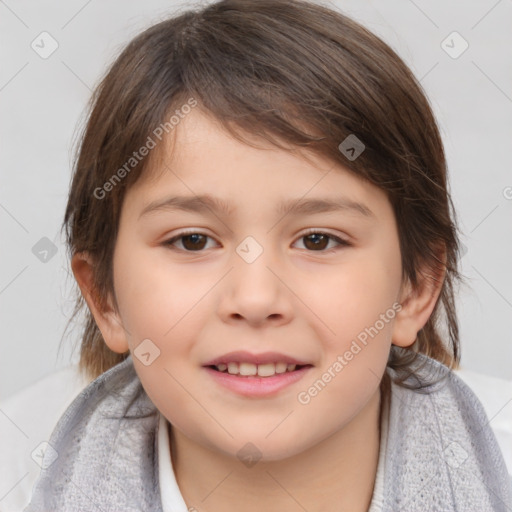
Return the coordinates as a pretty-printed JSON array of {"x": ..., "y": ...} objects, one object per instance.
[
  {"x": 191, "y": 241},
  {"x": 318, "y": 241}
]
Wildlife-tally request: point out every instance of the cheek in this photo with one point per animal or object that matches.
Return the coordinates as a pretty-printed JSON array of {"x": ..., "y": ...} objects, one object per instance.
[
  {"x": 154, "y": 296},
  {"x": 162, "y": 310},
  {"x": 360, "y": 307},
  {"x": 353, "y": 296}
]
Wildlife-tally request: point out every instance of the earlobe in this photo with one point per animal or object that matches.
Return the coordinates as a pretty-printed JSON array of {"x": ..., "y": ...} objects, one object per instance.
[
  {"x": 417, "y": 305},
  {"x": 106, "y": 317}
]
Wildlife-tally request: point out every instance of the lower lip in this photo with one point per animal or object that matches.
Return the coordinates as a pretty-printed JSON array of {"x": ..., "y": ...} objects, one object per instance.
[{"x": 254, "y": 386}]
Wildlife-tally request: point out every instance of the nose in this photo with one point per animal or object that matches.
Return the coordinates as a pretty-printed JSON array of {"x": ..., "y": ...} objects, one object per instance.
[{"x": 256, "y": 293}]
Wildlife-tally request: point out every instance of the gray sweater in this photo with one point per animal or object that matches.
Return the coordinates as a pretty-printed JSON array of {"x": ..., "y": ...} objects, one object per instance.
[{"x": 440, "y": 453}]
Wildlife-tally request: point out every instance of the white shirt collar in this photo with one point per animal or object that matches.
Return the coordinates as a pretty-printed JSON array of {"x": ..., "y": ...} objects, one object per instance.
[{"x": 172, "y": 500}]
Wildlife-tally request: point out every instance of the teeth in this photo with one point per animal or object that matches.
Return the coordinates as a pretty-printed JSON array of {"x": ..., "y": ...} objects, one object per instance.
[
  {"x": 247, "y": 369},
  {"x": 281, "y": 367},
  {"x": 266, "y": 370},
  {"x": 233, "y": 368},
  {"x": 250, "y": 369}
]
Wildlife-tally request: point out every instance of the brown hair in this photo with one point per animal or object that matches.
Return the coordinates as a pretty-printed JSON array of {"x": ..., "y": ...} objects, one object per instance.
[{"x": 287, "y": 71}]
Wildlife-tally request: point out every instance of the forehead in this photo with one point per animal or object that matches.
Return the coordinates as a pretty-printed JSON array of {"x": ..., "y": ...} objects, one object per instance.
[{"x": 200, "y": 158}]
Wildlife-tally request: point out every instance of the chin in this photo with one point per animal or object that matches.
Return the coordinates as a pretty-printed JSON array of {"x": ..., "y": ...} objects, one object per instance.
[{"x": 252, "y": 449}]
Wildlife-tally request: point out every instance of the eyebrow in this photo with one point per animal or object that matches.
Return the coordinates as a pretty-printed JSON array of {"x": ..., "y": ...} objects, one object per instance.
[{"x": 207, "y": 203}]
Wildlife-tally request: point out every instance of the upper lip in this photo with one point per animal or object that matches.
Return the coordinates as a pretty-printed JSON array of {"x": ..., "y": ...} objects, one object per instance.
[{"x": 242, "y": 356}]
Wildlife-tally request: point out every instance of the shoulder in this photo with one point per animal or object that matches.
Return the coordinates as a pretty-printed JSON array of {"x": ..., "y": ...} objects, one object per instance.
[
  {"x": 106, "y": 440},
  {"x": 495, "y": 395},
  {"x": 441, "y": 451},
  {"x": 26, "y": 423}
]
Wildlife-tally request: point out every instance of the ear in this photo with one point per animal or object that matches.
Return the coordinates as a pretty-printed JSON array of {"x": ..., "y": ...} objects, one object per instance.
[
  {"x": 106, "y": 317},
  {"x": 417, "y": 304}
]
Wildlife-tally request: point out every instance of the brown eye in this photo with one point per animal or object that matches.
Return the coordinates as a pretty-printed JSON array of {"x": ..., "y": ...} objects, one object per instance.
[
  {"x": 319, "y": 242},
  {"x": 190, "y": 242},
  {"x": 316, "y": 241},
  {"x": 194, "y": 242}
]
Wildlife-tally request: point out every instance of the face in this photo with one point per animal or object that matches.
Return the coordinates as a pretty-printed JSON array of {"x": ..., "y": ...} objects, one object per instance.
[{"x": 304, "y": 296}]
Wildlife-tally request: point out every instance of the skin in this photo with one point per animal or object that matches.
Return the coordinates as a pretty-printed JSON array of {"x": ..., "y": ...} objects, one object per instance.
[{"x": 296, "y": 299}]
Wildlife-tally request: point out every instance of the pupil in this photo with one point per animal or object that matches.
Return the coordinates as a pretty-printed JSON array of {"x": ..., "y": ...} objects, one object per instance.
[
  {"x": 196, "y": 241},
  {"x": 317, "y": 240}
]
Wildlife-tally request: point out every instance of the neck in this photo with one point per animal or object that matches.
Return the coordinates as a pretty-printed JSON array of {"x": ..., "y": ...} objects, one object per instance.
[{"x": 340, "y": 473}]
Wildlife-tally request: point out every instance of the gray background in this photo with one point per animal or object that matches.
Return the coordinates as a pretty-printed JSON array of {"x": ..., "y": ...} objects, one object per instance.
[{"x": 42, "y": 101}]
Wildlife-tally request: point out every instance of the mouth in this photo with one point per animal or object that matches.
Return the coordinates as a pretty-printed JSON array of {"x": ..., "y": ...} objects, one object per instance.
[
  {"x": 256, "y": 375},
  {"x": 265, "y": 370}
]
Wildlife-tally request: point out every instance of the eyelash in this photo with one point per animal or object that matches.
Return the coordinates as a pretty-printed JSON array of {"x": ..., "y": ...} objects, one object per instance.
[{"x": 340, "y": 241}]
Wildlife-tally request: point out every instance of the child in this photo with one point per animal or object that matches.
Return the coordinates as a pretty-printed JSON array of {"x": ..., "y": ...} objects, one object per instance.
[{"x": 260, "y": 223}]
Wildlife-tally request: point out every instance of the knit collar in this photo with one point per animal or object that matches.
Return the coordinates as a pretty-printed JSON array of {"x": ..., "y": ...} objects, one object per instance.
[{"x": 440, "y": 453}]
